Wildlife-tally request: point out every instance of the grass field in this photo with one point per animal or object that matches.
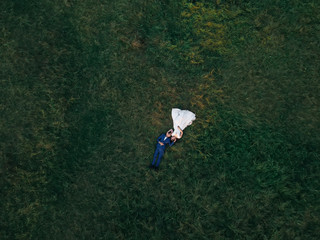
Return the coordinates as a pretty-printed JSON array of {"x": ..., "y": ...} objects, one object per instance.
[{"x": 87, "y": 87}]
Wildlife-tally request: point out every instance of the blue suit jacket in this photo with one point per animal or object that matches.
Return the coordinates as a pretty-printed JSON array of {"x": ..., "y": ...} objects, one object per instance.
[{"x": 166, "y": 142}]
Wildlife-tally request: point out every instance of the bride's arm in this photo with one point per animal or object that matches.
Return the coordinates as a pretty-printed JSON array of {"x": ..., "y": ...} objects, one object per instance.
[{"x": 180, "y": 131}]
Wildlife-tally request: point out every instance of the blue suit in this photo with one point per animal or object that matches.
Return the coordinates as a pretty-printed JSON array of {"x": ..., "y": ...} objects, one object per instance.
[{"x": 161, "y": 148}]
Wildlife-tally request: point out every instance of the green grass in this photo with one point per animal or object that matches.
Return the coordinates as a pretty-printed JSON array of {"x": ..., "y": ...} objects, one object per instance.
[{"x": 88, "y": 86}]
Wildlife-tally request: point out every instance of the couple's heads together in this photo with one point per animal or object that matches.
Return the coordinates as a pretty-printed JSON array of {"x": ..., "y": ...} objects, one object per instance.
[{"x": 169, "y": 134}]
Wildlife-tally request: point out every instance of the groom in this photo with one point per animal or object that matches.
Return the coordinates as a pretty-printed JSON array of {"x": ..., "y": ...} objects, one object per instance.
[{"x": 163, "y": 140}]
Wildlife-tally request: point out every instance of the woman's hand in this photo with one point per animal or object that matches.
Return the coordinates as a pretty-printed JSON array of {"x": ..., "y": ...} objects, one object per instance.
[{"x": 180, "y": 131}]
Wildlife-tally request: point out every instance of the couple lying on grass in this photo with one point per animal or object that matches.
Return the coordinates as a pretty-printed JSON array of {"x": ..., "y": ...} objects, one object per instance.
[{"x": 181, "y": 119}]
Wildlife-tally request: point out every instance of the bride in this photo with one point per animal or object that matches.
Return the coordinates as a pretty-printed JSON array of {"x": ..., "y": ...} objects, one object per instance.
[{"x": 181, "y": 119}]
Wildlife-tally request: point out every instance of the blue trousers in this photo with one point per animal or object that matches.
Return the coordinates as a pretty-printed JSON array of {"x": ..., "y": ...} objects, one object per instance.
[{"x": 158, "y": 153}]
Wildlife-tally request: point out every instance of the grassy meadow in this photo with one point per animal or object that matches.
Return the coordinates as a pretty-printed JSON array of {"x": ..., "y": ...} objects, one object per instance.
[{"x": 87, "y": 87}]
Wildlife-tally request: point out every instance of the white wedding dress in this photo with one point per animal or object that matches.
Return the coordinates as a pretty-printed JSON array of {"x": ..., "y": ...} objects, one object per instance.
[{"x": 181, "y": 118}]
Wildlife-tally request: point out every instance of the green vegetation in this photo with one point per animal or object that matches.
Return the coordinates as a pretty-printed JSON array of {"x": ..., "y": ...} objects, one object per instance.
[{"x": 87, "y": 86}]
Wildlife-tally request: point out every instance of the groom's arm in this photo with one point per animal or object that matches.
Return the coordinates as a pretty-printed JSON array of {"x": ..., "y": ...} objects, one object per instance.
[
  {"x": 172, "y": 142},
  {"x": 159, "y": 138}
]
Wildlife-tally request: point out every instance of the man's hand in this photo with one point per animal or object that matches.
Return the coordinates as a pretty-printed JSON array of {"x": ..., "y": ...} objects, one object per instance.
[{"x": 161, "y": 143}]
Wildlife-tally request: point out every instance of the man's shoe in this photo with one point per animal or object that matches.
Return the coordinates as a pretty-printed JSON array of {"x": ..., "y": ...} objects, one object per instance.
[
  {"x": 151, "y": 166},
  {"x": 156, "y": 169}
]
